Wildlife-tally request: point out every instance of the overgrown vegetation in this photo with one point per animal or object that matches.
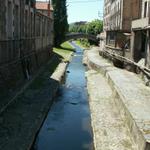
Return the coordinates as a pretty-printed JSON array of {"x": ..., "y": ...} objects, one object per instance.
[
  {"x": 60, "y": 54},
  {"x": 65, "y": 50},
  {"x": 94, "y": 27},
  {"x": 83, "y": 43},
  {"x": 60, "y": 21}
]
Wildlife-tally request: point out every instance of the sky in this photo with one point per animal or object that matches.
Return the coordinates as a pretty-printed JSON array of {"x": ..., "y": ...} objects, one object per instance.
[{"x": 84, "y": 10}]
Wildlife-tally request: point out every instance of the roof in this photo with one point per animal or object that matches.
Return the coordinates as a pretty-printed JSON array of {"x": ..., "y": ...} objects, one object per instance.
[{"x": 43, "y": 5}]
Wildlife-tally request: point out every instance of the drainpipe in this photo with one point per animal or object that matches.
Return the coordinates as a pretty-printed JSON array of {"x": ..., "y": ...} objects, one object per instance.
[
  {"x": 20, "y": 26},
  {"x": 20, "y": 40},
  {"x": 23, "y": 60},
  {"x": 147, "y": 48}
]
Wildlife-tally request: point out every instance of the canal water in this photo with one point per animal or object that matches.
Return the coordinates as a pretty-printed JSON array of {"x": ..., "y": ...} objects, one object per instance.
[{"x": 67, "y": 126}]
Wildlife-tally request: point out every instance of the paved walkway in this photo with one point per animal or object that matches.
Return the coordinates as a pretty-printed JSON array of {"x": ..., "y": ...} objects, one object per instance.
[
  {"x": 110, "y": 132},
  {"x": 131, "y": 98}
]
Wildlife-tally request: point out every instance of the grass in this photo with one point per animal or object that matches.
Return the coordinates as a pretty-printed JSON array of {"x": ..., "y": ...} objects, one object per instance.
[
  {"x": 60, "y": 54},
  {"x": 83, "y": 43},
  {"x": 64, "y": 51}
]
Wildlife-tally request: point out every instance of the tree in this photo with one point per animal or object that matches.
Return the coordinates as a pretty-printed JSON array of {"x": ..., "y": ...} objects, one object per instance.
[
  {"x": 95, "y": 27},
  {"x": 60, "y": 21},
  {"x": 78, "y": 27}
]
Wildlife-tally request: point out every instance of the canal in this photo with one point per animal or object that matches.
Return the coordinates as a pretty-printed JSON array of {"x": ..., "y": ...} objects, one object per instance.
[{"x": 67, "y": 126}]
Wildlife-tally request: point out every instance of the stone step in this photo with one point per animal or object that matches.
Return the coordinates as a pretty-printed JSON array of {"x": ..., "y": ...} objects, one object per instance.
[
  {"x": 110, "y": 131},
  {"x": 132, "y": 98}
]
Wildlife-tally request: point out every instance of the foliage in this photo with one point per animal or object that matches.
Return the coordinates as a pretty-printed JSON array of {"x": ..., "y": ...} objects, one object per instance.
[
  {"x": 60, "y": 21},
  {"x": 94, "y": 27},
  {"x": 78, "y": 28},
  {"x": 83, "y": 43}
]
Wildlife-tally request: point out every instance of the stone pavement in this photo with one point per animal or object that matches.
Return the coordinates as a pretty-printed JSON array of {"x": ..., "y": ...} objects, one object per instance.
[
  {"x": 130, "y": 97},
  {"x": 110, "y": 132}
]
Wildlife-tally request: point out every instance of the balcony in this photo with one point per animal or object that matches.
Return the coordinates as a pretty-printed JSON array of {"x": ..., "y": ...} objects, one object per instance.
[{"x": 140, "y": 23}]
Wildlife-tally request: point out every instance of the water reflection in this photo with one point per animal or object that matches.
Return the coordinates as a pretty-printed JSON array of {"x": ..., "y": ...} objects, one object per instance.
[{"x": 67, "y": 126}]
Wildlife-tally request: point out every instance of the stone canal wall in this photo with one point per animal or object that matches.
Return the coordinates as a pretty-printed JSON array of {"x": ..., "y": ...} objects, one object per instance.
[
  {"x": 26, "y": 40},
  {"x": 25, "y": 115},
  {"x": 131, "y": 100}
]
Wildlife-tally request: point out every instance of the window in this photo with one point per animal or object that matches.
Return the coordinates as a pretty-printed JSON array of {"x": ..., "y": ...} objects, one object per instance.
[
  {"x": 145, "y": 9},
  {"x": 26, "y": 23},
  {"x": 38, "y": 26},
  {"x": 16, "y": 21},
  {"x": 27, "y": 2},
  {"x": 10, "y": 20},
  {"x": 33, "y": 3}
]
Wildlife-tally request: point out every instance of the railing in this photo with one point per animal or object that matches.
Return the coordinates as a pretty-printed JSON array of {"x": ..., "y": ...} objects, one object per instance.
[{"x": 125, "y": 61}]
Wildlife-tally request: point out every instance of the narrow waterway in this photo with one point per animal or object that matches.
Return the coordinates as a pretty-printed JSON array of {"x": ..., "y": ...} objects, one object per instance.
[{"x": 67, "y": 126}]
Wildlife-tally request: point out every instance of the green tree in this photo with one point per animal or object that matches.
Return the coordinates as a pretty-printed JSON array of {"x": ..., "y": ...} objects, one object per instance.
[
  {"x": 78, "y": 27},
  {"x": 60, "y": 21},
  {"x": 95, "y": 27}
]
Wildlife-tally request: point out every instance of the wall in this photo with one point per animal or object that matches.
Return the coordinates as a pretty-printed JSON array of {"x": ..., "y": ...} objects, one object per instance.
[
  {"x": 118, "y": 28},
  {"x": 131, "y": 11},
  {"x": 106, "y": 21},
  {"x": 26, "y": 39},
  {"x": 118, "y": 14}
]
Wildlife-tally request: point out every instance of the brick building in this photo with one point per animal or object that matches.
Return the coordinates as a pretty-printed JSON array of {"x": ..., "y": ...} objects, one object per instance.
[
  {"x": 45, "y": 8},
  {"x": 140, "y": 43},
  {"x": 118, "y": 15},
  {"x": 107, "y": 6},
  {"x": 25, "y": 42}
]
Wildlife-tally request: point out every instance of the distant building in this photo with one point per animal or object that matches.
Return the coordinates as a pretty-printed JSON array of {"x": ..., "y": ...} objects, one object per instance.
[
  {"x": 140, "y": 44},
  {"x": 118, "y": 15},
  {"x": 45, "y": 8}
]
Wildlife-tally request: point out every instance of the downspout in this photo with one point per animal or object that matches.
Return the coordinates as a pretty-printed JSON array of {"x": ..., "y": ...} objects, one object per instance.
[
  {"x": 36, "y": 56},
  {"x": 21, "y": 52},
  {"x": 20, "y": 28}
]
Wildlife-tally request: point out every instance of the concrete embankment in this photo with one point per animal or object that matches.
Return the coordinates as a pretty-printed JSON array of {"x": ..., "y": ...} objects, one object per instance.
[
  {"x": 119, "y": 103},
  {"x": 21, "y": 120}
]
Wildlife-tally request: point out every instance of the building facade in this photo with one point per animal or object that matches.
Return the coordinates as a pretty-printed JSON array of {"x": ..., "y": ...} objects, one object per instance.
[
  {"x": 25, "y": 41},
  {"x": 45, "y": 8},
  {"x": 107, "y": 6},
  {"x": 140, "y": 42},
  {"x": 118, "y": 15}
]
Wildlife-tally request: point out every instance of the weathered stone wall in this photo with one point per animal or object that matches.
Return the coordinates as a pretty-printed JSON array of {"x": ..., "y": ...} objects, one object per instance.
[
  {"x": 2, "y": 20},
  {"x": 26, "y": 49}
]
